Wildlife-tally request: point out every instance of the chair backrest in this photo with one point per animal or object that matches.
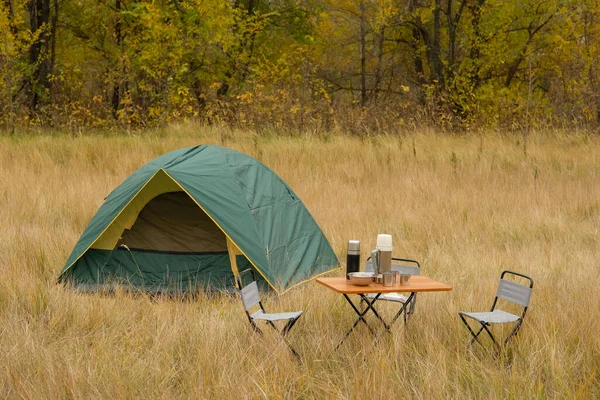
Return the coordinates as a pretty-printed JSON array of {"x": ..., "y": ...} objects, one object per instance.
[
  {"x": 403, "y": 269},
  {"x": 513, "y": 291},
  {"x": 249, "y": 293},
  {"x": 369, "y": 266},
  {"x": 250, "y": 296}
]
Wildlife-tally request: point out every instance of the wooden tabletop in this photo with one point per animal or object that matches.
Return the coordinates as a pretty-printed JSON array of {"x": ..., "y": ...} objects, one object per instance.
[{"x": 416, "y": 283}]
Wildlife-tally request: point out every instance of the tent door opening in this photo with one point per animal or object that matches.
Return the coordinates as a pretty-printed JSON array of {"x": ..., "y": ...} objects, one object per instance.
[{"x": 172, "y": 243}]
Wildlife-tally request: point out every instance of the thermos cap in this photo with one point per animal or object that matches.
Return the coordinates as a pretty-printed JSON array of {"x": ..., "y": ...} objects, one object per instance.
[
  {"x": 384, "y": 242},
  {"x": 353, "y": 246}
]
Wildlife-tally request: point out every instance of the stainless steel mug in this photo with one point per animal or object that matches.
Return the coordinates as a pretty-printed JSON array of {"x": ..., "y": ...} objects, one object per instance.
[{"x": 388, "y": 279}]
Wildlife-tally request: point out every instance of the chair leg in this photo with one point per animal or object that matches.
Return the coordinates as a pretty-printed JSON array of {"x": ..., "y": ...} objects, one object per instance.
[
  {"x": 514, "y": 331},
  {"x": 292, "y": 350},
  {"x": 404, "y": 309},
  {"x": 475, "y": 335},
  {"x": 272, "y": 325},
  {"x": 254, "y": 326},
  {"x": 289, "y": 326},
  {"x": 410, "y": 311},
  {"x": 284, "y": 331},
  {"x": 485, "y": 326}
]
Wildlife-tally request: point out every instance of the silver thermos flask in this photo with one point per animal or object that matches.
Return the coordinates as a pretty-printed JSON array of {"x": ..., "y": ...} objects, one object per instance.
[
  {"x": 384, "y": 245},
  {"x": 353, "y": 257}
]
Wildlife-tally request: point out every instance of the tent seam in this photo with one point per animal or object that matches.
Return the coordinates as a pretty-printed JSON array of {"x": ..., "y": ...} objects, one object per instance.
[{"x": 225, "y": 233}]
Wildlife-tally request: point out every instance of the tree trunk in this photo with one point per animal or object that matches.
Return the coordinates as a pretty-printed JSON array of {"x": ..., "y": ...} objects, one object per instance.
[
  {"x": 116, "y": 92},
  {"x": 379, "y": 67},
  {"x": 53, "y": 28},
  {"x": 418, "y": 61},
  {"x": 8, "y": 4},
  {"x": 7, "y": 68},
  {"x": 250, "y": 10},
  {"x": 435, "y": 50},
  {"x": 453, "y": 21},
  {"x": 475, "y": 52},
  {"x": 417, "y": 37},
  {"x": 363, "y": 56},
  {"x": 592, "y": 69},
  {"x": 39, "y": 19}
]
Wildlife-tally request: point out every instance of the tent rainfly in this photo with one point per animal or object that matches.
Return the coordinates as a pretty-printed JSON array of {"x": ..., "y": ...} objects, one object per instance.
[{"x": 190, "y": 219}]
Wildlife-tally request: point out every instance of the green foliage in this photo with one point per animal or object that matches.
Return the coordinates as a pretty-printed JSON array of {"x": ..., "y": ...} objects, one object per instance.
[{"x": 16, "y": 39}]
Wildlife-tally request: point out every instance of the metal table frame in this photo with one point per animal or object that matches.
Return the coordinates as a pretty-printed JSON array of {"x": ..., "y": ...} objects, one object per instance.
[
  {"x": 370, "y": 306},
  {"x": 417, "y": 284}
]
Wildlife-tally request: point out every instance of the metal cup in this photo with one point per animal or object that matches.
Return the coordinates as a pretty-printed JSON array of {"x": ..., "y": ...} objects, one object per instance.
[
  {"x": 404, "y": 278},
  {"x": 388, "y": 279},
  {"x": 396, "y": 277}
]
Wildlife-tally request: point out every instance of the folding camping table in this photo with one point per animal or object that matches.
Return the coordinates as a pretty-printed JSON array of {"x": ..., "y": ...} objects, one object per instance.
[{"x": 417, "y": 283}]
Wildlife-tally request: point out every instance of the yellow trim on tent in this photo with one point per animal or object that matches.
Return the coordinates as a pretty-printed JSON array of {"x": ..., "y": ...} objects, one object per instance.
[
  {"x": 310, "y": 279},
  {"x": 108, "y": 226},
  {"x": 232, "y": 250},
  {"x": 160, "y": 183},
  {"x": 228, "y": 237}
]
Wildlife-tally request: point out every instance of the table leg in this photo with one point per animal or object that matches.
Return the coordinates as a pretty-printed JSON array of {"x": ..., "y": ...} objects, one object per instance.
[
  {"x": 361, "y": 315},
  {"x": 372, "y": 306}
]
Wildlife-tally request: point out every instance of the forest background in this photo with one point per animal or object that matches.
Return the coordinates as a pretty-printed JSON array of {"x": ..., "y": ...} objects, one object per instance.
[{"x": 356, "y": 66}]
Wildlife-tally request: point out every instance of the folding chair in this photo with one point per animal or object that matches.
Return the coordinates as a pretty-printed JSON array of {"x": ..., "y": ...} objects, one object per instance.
[
  {"x": 251, "y": 299},
  {"x": 510, "y": 291},
  {"x": 414, "y": 269}
]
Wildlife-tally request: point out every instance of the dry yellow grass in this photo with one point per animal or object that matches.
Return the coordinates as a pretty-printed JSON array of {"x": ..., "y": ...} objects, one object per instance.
[{"x": 467, "y": 207}]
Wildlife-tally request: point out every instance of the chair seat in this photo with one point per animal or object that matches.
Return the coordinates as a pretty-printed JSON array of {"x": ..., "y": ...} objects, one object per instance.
[
  {"x": 492, "y": 317},
  {"x": 275, "y": 316},
  {"x": 397, "y": 297}
]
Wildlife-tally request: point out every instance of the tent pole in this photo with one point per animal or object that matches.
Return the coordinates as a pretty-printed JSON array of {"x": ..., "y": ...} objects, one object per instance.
[{"x": 231, "y": 249}]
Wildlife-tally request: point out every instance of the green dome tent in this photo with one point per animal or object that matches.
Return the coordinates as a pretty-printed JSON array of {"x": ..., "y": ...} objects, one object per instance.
[{"x": 189, "y": 219}]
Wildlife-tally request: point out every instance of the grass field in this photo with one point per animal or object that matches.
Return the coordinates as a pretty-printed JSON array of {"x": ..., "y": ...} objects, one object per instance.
[{"x": 467, "y": 207}]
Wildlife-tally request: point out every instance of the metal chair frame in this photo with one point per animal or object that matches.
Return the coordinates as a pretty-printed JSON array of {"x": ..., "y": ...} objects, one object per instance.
[
  {"x": 507, "y": 290},
  {"x": 407, "y": 312},
  {"x": 251, "y": 297}
]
